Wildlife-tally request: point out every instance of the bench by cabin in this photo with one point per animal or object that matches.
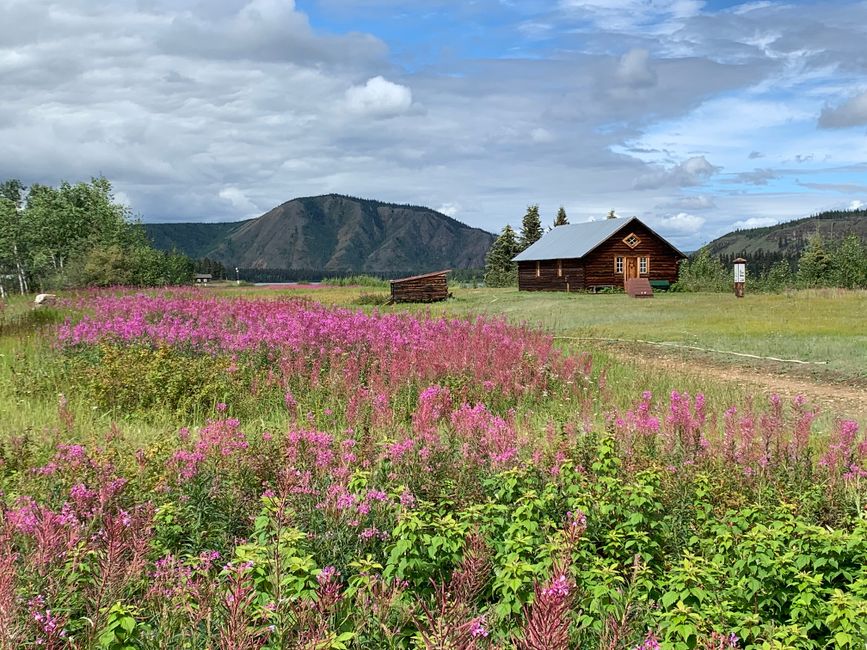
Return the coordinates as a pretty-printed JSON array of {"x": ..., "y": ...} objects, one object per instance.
[{"x": 597, "y": 254}]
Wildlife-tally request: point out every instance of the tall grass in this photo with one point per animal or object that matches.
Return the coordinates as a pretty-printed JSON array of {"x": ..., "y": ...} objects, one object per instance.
[{"x": 356, "y": 281}]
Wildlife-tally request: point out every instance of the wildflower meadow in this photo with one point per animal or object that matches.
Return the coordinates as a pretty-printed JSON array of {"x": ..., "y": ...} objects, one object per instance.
[{"x": 330, "y": 478}]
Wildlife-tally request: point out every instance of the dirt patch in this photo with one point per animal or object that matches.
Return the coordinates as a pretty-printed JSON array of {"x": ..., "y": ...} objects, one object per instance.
[{"x": 847, "y": 398}]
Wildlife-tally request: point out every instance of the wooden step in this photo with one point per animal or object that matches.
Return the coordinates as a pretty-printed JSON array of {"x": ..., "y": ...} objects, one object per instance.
[{"x": 639, "y": 288}]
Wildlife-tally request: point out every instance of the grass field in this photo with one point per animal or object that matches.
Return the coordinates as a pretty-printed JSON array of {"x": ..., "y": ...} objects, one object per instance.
[
  {"x": 257, "y": 472},
  {"x": 825, "y": 326}
]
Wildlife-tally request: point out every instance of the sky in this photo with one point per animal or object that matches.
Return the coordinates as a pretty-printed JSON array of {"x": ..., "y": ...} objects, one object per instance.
[{"x": 696, "y": 116}]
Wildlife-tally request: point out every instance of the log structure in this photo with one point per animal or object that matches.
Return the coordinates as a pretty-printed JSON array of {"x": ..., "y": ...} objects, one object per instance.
[
  {"x": 430, "y": 287},
  {"x": 596, "y": 255}
]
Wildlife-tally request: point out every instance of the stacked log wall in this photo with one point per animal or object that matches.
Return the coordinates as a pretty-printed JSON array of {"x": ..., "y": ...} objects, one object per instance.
[
  {"x": 599, "y": 263},
  {"x": 570, "y": 279},
  {"x": 425, "y": 288}
]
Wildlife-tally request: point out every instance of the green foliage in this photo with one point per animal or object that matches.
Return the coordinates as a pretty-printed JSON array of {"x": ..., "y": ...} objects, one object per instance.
[
  {"x": 368, "y": 298},
  {"x": 815, "y": 264},
  {"x": 500, "y": 270},
  {"x": 849, "y": 263},
  {"x": 357, "y": 281},
  {"x": 78, "y": 235},
  {"x": 778, "y": 278},
  {"x": 531, "y": 228},
  {"x": 561, "y": 219},
  {"x": 122, "y": 631},
  {"x": 702, "y": 272},
  {"x": 836, "y": 264}
]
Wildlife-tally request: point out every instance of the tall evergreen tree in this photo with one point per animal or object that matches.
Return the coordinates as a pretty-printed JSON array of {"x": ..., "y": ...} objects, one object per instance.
[
  {"x": 561, "y": 219},
  {"x": 815, "y": 264},
  {"x": 849, "y": 263},
  {"x": 531, "y": 228},
  {"x": 500, "y": 270}
]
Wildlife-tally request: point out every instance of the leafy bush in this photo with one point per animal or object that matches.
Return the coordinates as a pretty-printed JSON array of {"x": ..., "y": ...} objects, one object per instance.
[{"x": 702, "y": 272}]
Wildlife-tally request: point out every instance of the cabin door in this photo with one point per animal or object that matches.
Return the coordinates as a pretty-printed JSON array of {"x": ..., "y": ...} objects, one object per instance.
[{"x": 630, "y": 269}]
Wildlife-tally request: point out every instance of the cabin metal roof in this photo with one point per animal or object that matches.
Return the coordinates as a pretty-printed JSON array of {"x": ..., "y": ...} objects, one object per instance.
[{"x": 577, "y": 239}]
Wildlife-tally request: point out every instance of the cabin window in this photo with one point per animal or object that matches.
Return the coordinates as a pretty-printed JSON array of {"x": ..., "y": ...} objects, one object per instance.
[
  {"x": 618, "y": 265},
  {"x": 643, "y": 264},
  {"x": 538, "y": 270},
  {"x": 631, "y": 240},
  {"x": 559, "y": 268}
]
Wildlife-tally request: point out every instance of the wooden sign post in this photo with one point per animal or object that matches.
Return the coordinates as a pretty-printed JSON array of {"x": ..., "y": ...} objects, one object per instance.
[{"x": 740, "y": 276}]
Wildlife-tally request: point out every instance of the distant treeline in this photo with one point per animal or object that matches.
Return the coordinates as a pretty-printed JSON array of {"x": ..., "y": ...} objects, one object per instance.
[
  {"x": 458, "y": 276},
  {"x": 822, "y": 263}
]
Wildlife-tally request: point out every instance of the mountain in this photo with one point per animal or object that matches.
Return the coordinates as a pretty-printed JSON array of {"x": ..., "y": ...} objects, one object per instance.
[
  {"x": 333, "y": 234},
  {"x": 765, "y": 246}
]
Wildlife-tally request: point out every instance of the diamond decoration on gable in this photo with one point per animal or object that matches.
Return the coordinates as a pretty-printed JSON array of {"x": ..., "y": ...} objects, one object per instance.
[{"x": 631, "y": 240}]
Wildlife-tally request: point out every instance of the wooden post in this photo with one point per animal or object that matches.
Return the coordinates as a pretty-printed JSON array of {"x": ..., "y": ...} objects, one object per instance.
[{"x": 740, "y": 272}]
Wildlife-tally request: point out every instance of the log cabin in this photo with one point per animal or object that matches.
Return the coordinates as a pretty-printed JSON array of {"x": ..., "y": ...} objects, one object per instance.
[
  {"x": 597, "y": 254},
  {"x": 430, "y": 287}
]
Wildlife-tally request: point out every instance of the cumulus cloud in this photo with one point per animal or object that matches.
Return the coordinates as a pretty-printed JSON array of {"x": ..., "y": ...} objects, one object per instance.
[
  {"x": 692, "y": 171},
  {"x": 681, "y": 223},
  {"x": 852, "y": 112},
  {"x": 450, "y": 209},
  {"x": 379, "y": 97},
  {"x": 264, "y": 30},
  {"x": 238, "y": 199},
  {"x": 634, "y": 69},
  {"x": 754, "y": 222},
  {"x": 214, "y": 110}
]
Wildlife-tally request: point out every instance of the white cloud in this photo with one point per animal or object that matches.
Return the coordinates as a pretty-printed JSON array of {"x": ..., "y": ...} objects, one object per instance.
[
  {"x": 852, "y": 112},
  {"x": 379, "y": 98},
  {"x": 634, "y": 69},
  {"x": 754, "y": 222},
  {"x": 692, "y": 171},
  {"x": 219, "y": 110},
  {"x": 450, "y": 209},
  {"x": 239, "y": 200},
  {"x": 857, "y": 204},
  {"x": 681, "y": 223}
]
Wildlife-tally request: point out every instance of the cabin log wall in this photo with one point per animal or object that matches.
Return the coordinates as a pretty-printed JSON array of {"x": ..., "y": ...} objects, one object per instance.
[
  {"x": 597, "y": 268},
  {"x": 599, "y": 263},
  {"x": 432, "y": 287},
  {"x": 572, "y": 278}
]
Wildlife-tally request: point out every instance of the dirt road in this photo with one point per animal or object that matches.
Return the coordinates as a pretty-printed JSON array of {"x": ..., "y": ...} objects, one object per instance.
[{"x": 771, "y": 378}]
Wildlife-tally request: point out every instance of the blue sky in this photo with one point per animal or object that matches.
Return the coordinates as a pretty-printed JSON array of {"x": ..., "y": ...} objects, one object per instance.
[{"x": 696, "y": 116}]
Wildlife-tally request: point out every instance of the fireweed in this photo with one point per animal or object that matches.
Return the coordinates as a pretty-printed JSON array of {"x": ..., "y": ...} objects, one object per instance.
[{"x": 434, "y": 482}]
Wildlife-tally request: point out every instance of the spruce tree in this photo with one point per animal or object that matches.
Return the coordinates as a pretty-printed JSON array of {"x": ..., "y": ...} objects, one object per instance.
[
  {"x": 814, "y": 266},
  {"x": 611, "y": 215},
  {"x": 531, "y": 227},
  {"x": 849, "y": 263},
  {"x": 561, "y": 219},
  {"x": 500, "y": 270}
]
